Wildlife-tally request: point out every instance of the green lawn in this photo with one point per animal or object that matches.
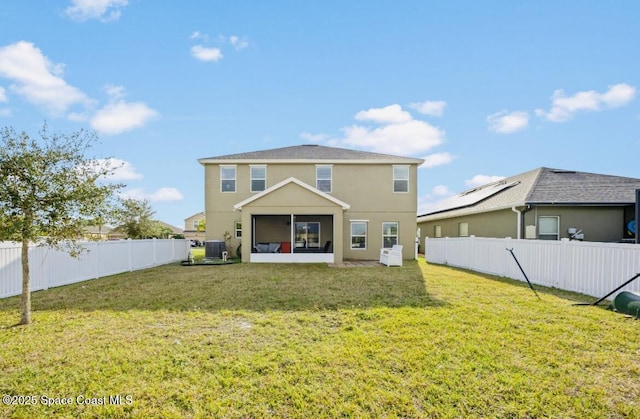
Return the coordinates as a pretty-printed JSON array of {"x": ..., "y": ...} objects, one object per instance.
[{"x": 312, "y": 341}]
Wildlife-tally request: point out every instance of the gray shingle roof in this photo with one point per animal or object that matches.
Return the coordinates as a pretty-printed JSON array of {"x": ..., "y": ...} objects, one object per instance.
[
  {"x": 312, "y": 152},
  {"x": 565, "y": 186},
  {"x": 543, "y": 186}
]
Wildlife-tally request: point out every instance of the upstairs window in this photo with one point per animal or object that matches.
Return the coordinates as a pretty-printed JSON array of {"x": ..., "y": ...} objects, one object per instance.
[
  {"x": 258, "y": 178},
  {"x": 323, "y": 178},
  {"x": 400, "y": 178},
  {"x": 227, "y": 178}
]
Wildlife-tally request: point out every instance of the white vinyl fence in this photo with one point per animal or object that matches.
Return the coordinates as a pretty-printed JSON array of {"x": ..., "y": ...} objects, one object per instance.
[
  {"x": 51, "y": 268},
  {"x": 586, "y": 267}
]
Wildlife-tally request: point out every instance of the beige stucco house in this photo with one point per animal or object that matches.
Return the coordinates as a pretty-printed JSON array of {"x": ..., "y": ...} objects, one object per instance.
[
  {"x": 191, "y": 224},
  {"x": 311, "y": 203},
  {"x": 546, "y": 204}
]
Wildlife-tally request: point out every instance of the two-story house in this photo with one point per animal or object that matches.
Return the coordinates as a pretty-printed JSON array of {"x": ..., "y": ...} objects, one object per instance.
[
  {"x": 311, "y": 203},
  {"x": 194, "y": 227}
]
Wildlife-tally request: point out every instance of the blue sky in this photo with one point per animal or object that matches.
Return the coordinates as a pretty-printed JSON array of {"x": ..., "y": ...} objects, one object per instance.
[{"x": 480, "y": 89}]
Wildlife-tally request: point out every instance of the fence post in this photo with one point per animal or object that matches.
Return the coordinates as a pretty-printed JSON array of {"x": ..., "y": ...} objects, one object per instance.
[
  {"x": 562, "y": 262},
  {"x": 130, "y": 252},
  {"x": 97, "y": 259},
  {"x": 41, "y": 271},
  {"x": 155, "y": 252},
  {"x": 505, "y": 257}
]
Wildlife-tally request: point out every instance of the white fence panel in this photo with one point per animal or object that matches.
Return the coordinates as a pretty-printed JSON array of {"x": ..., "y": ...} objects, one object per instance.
[
  {"x": 52, "y": 268},
  {"x": 587, "y": 267},
  {"x": 112, "y": 258},
  {"x": 10, "y": 267}
]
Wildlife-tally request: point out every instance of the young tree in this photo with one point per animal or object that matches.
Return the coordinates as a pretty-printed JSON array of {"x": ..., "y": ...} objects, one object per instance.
[
  {"x": 135, "y": 218},
  {"x": 49, "y": 191}
]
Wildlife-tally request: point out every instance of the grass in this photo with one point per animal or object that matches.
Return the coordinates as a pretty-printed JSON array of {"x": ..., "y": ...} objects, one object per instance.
[
  {"x": 197, "y": 253},
  {"x": 312, "y": 341}
]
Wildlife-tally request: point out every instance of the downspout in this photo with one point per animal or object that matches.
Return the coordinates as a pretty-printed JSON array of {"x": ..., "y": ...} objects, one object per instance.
[
  {"x": 519, "y": 222},
  {"x": 520, "y": 218}
]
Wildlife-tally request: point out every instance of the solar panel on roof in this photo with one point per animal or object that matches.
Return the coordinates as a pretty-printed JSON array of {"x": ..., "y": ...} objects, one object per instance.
[{"x": 472, "y": 197}]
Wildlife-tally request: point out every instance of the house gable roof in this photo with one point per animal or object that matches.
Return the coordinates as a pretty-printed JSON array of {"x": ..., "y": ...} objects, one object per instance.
[
  {"x": 556, "y": 186},
  {"x": 283, "y": 184},
  {"x": 196, "y": 215},
  {"x": 542, "y": 186},
  {"x": 309, "y": 153}
]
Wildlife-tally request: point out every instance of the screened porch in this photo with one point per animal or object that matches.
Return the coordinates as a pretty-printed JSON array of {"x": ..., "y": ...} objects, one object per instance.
[{"x": 292, "y": 238}]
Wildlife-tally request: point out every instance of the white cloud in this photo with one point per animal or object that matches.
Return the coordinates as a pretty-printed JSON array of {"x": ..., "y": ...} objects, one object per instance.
[
  {"x": 116, "y": 118},
  {"x": 3, "y": 95},
  {"x": 433, "y": 199},
  {"x": 436, "y": 159},
  {"x": 121, "y": 169},
  {"x": 38, "y": 80},
  {"x": 200, "y": 36},
  {"x": 441, "y": 190},
  {"x": 206, "y": 54},
  {"x": 104, "y": 10},
  {"x": 160, "y": 195},
  {"x": 5, "y": 112},
  {"x": 618, "y": 95},
  {"x": 432, "y": 108},
  {"x": 407, "y": 138},
  {"x": 505, "y": 122},
  {"x": 119, "y": 116},
  {"x": 397, "y": 133},
  {"x": 313, "y": 138},
  {"x": 388, "y": 115},
  {"x": 480, "y": 180},
  {"x": 238, "y": 43},
  {"x": 564, "y": 107},
  {"x": 115, "y": 92},
  {"x": 425, "y": 202}
]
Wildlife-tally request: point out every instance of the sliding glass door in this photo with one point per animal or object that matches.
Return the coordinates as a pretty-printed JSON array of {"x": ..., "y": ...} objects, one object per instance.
[{"x": 307, "y": 235}]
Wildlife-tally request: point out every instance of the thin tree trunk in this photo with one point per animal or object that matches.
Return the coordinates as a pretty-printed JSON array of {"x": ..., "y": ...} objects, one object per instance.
[{"x": 25, "y": 317}]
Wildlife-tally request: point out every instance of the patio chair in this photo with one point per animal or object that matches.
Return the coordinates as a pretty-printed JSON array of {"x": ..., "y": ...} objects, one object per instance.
[{"x": 391, "y": 257}]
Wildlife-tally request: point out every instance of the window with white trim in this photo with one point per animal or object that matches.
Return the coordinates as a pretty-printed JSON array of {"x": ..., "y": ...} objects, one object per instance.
[
  {"x": 258, "y": 178},
  {"x": 359, "y": 235},
  {"x": 227, "y": 178},
  {"x": 323, "y": 178},
  {"x": 400, "y": 178},
  {"x": 237, "y": 227},
  {"x": 437, "y": 231},
  {"x": 389, "y": 234},
  {"x": 549, "y": 228},
  {"x": 196, "y": 223}
]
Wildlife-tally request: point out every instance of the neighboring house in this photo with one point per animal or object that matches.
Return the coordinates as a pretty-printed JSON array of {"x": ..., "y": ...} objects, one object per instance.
[
  {"x": 546, "y": 204},
  {"x": 191, "y": 231},
  {"x": 102, "y": 232},
  {"x": 170, "y": 230},
  {"x": 163, "y": 230},
  {"x": 311, "y": 203}
]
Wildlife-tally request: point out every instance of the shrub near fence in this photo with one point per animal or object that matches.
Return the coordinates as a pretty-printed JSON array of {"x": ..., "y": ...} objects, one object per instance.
[
  {"x": 52, "y": 268},
  {"x": 586, "y": 267}
]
